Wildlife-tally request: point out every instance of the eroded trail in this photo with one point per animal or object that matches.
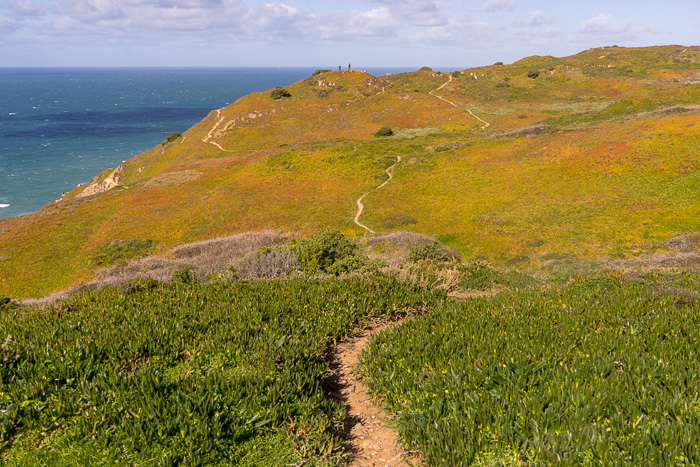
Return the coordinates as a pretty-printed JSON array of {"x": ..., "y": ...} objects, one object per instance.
[
  {"x": 210, "y": 135},
  {"x": 361, "y": 207},
  {"x": 369, "y": 438},
  {"x": 432, "y": 93}
]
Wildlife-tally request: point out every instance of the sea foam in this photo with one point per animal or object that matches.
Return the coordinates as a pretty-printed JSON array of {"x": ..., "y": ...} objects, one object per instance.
[{"x": 4, "y": 205}]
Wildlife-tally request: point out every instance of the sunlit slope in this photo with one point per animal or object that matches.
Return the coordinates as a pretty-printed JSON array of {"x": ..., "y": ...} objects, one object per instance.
[
  {"x": 613, "y": 170},
  {"x": 588, "y": 88}
]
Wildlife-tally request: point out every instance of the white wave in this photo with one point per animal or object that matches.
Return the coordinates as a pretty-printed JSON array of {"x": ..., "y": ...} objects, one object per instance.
[
  {"x": 12, "y": 113},
  {"x": 4, "y": 205}
]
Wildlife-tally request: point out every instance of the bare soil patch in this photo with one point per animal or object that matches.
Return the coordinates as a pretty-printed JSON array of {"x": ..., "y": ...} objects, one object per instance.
[{"x": 370, "y": 438}]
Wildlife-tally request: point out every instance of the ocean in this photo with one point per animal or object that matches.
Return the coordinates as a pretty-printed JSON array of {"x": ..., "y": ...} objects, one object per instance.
[{"x": 60, "y": 127}]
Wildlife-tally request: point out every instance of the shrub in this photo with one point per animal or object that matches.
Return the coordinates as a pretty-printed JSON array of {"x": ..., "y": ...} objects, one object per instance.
[
  {"x": 279, "y": 92},
  {"x": 533, "y": 74},
  {"x": 171, "y": 137},
  {"x": 184, "y": 275},
  {"x": 6, "y": 303},
  {"x": 456, "y": 74},
  {"x": 428, "y": 252},
  {"x": 318, "y": 72},
  {"x": 384, "y": 131},
  {"x": 498, "y": 63},
  {"x": 426, "y": 68},
  {"x": 320, "y": 252},
  {"x": 356, "y": 263},
  {"x": 332, "y": 253}
]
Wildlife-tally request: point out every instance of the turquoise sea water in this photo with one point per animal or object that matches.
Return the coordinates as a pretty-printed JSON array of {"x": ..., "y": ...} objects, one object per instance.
[{"x": 61, "y": 127}]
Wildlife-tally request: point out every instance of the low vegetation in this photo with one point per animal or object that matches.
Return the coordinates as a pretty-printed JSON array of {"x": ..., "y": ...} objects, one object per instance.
[
  {"x": 218, "y": 369},
  {"x": 183, "y": 373},
  {"x": 601, "y": 371},
  {"x": 120, "y": 251}
]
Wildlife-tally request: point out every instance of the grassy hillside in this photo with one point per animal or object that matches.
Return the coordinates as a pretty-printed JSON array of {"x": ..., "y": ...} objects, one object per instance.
[
  {"x": 229, "y": 369},
  {"x": 594, "y": 158}
]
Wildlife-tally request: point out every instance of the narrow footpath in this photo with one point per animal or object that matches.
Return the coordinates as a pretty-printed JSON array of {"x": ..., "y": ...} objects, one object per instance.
[
  {"x": 370, "y": 439},
  {"x": 432, "y": 93},
  {"x": 361, "y": 207}
]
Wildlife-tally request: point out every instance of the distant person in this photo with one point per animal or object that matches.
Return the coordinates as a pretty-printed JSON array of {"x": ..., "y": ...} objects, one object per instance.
[
  {"x": 340, "y": 67},
  {"x": 349, "y": 66}
]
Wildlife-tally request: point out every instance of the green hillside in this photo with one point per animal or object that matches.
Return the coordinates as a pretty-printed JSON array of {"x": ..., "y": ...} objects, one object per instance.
[
  {"x": 530, "y": 230},
  {"x": 594, "y": 157}
]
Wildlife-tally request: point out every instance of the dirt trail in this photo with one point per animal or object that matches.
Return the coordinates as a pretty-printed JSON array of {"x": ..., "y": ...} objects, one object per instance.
[
  {"x": 369, "y": 438},
  {"x": 210, "y": 135},
  {"x": 361, "y": 207},
  {"x": 432, "y": 93}
]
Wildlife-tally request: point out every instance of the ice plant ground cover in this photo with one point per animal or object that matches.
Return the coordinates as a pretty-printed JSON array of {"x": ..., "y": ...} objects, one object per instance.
[
  {"x": 600, "y": 371},
  {"x": 501, "y": 367},
  {"x": 174, "y": 374}
]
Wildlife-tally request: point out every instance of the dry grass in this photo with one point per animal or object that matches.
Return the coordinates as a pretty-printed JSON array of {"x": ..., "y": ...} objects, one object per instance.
[
  {"x": 267, "y": 264},
  {"x": 683, "y": 254},
  {"x": 206, "y": 258}
]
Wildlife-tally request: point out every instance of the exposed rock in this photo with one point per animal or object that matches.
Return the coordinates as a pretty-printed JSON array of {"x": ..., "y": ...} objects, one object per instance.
[{"x": 100, "y": 186}]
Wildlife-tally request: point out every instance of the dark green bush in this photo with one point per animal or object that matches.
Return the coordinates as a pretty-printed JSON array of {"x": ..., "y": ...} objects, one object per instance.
[
  {"x": 498, "y": 63},
  {"x": 279, "y": 92},
  {"x": 355, "y": 263},
  {"x": 331, "y": 252},
  {"x": 171, "y": 137},
  {"x": 456, "y": 74},
  {"x": 320, "y": 252},
  {"x": 533, "y": 74},
  {"x": 426, "y": 68},
  {"x": 318, "y": 72},
  {"x": 384, "y": 131},
  {"x": 6, "y": 303},
  {"x": 428, "y": 252}
]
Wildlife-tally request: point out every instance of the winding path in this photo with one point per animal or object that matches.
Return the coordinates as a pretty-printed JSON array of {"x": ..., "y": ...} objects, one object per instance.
[
  {"x": 361, "y": 207},
  {"x": 432, "y": 93}
]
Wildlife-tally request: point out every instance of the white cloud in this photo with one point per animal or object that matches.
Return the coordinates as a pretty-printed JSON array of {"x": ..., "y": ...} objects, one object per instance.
[
  {"x": 25, "y": 8},
  {"x": 90, "y": 10},
  {"x": 604, "y": 25},
  {"x": 8, "y": 24},
  {"x": 538, "y": 18},
  {"x": 464, "y": 30},
  {"x": 273, "y": 20},
  {"x": 496, "y": 5}
]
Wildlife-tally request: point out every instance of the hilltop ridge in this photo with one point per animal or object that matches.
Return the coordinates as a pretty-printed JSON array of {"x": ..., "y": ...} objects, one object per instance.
[{"x": 592, "y": 156}]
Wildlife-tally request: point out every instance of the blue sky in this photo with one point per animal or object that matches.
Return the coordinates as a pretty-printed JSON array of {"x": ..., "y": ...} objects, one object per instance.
[{"x": 444, "y": 34}]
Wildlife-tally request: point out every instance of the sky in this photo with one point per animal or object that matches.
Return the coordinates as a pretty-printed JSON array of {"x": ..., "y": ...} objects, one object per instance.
[{"x": 443, "y": 34}]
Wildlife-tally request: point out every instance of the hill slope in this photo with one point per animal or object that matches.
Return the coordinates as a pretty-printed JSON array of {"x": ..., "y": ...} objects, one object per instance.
[{"x": 593, "y": 156}]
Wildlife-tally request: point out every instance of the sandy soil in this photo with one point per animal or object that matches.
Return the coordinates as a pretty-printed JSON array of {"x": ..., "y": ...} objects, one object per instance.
[{"x": 370, "y": 438}]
